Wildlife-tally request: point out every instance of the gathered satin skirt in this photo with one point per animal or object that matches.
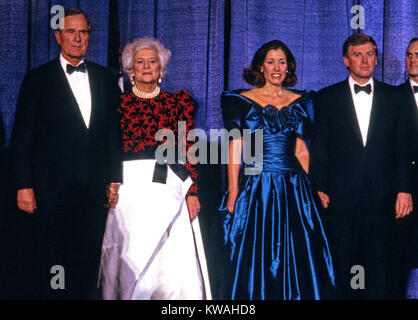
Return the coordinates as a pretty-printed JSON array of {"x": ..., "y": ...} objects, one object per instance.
[
  {"x": 412, "y": 284},
  {"x": 151, "y": 250},
  {"x": 275, "y": 243}
]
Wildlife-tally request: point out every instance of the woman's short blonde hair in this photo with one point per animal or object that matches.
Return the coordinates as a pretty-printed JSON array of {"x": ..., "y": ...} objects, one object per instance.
[{"x": 139, "y": 44}]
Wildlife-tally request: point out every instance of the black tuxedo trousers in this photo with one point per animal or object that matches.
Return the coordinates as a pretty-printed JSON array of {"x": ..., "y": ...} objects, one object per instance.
[{"x": 70, "y": 236}]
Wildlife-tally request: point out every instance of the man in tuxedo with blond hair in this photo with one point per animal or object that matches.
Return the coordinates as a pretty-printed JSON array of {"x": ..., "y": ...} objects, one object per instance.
[{"x": 360, "y": 169}]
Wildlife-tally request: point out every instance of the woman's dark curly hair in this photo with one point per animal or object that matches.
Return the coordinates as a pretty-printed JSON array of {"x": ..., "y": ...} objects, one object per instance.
[{"x": 253, "y": 75}]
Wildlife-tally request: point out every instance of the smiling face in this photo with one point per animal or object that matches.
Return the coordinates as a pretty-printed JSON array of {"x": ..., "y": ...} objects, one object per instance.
[
  {"x": 74, "y": 38},
  {"x": 146, "y": 67},
  {"x": 274, "y": 67},
  {"x": 361, "y": 60},
  {"x": 411, "y": 60}
]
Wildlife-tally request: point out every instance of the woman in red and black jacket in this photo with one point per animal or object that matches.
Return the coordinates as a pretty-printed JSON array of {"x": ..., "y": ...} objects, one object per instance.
[{"x": 152, "y": 245}]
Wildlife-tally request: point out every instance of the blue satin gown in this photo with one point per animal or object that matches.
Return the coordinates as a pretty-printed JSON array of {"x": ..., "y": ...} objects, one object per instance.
[{"x": 275, "y": 242}]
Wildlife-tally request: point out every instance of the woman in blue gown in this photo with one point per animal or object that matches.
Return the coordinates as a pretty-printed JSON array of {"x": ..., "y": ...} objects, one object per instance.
[{"x": 275, "y": 242}]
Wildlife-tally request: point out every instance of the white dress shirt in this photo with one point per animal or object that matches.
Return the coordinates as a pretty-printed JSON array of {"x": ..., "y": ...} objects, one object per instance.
[
  {"x": 413, "y": 83},
  {"x": 80, "y": 86},
  {"x": 363, "y": 106},
  {"x": 121, "y": 85}
]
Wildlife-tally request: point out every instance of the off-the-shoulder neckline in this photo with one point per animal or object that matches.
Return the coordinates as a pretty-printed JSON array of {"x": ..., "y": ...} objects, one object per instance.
[{"x": 251, "y": 101}]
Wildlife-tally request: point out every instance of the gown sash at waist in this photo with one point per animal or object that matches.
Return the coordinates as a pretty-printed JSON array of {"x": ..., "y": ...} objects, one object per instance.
[{"x": 160, "y": 169}]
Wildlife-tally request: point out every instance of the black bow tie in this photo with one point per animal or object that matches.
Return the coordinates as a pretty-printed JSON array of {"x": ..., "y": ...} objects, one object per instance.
[
  {"x": 81, "y": 67},
  {"x": 366, "y": 88},
  {"x": 415, "y": 89}
]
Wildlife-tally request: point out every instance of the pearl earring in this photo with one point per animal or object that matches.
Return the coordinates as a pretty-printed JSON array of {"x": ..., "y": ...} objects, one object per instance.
[{"x": 160, "y": 79}]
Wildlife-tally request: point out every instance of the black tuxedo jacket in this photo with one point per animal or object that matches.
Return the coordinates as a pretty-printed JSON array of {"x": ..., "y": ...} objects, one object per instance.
[
  {"x": 346, "y": 170},
  {"x": 407, "y": 97},
  {"x": 53, "y": 151}
]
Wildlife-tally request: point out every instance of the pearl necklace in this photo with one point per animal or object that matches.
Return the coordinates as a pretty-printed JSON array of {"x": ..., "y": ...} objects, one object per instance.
[{"x": 146, "y": 95}]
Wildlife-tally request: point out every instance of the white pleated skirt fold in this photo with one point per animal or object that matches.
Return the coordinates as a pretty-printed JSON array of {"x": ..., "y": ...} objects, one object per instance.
[{"x": 150, "y": 249}]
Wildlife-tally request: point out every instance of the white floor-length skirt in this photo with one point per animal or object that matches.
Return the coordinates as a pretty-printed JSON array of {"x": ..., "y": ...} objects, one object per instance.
[{"x": 150, "y": 248}]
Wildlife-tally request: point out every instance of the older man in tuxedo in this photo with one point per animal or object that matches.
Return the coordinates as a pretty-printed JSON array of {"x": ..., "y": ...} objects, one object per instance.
[
  {"x": 360, "y": 168},
  {"x": 406, "y": 230},
  {"x": 409, "y": 94},
  {"x": 66, "y": 156}
]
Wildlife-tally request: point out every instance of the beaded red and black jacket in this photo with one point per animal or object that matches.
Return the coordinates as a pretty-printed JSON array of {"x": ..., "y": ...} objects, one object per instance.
[{"x": 142, "y": 118}]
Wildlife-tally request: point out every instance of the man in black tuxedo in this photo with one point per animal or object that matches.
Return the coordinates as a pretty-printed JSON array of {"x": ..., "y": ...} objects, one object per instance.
[
  {"x": 360, "y": 168},
  {"x": 406, "y": 230},
  {"x": 66, "y": 157},
  {"x": 409, "y": 93}
]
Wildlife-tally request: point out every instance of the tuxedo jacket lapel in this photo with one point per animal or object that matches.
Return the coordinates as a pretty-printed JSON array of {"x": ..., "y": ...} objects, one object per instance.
[
  {"x": 410, "y": 94},
  {"x": 62, "y": 87},
  {"x": 94, "y": 93},
  {"x": 374, "y": 113},
  {"x": 349, "y": 111}
]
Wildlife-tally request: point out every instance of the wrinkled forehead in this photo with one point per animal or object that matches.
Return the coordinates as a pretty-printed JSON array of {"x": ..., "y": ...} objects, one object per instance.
[
  {"x": 146, "y": 53},
  {"x": 77, "y": 21}
]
